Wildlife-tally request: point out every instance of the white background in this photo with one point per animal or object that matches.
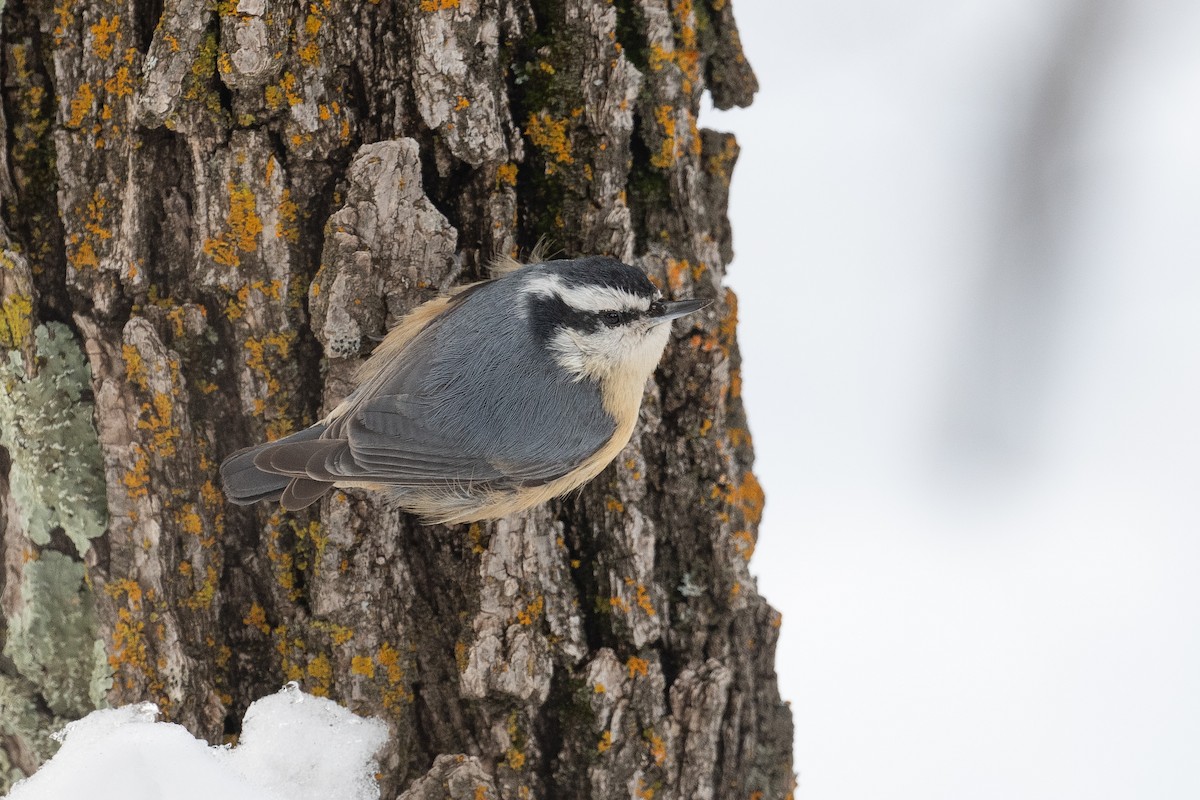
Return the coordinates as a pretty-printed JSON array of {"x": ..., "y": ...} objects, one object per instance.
[{"x": 968, "y": 258}]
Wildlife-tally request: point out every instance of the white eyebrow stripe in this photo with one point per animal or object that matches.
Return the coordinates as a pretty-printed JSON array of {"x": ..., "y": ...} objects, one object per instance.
[
  {"x": 545, "y": 285},
  {"x": 587, "y": 298}
]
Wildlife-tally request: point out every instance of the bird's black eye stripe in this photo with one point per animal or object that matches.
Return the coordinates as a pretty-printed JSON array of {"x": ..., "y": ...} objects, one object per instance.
[
  {"x": 615, "y": 318},
  {"x": 657, "y": 309},
  {"x": 548, "y": 314}
]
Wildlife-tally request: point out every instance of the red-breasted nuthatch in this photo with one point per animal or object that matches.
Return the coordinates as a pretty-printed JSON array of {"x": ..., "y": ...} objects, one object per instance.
[{"x": 491, "y": 400}]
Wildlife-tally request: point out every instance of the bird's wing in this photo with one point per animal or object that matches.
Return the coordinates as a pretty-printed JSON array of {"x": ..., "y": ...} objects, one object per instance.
[
  {"x": 470, "y": 397},
  {"x": 391, "y": 440}
]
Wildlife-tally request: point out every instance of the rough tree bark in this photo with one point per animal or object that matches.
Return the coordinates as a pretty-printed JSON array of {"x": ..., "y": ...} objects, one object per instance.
[{"x": 212, "y": 210}]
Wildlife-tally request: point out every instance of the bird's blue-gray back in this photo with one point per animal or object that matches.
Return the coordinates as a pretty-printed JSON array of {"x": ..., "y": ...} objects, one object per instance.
[{"x": 461, "y": 405}]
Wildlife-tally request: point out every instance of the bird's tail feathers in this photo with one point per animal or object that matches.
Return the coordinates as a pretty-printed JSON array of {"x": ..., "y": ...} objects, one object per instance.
[{"x": 252, "y": 474}]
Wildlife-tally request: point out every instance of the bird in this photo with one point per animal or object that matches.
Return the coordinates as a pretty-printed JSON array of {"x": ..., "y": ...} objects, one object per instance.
[{"x": 485, "y": 401}]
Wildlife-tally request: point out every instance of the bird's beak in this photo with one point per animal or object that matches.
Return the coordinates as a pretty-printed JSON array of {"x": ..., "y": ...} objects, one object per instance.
[{"x": 678, "y": 308}]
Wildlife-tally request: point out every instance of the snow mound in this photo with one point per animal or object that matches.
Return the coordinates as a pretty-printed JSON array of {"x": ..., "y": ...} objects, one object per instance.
[{"x": 293, "y": 747}]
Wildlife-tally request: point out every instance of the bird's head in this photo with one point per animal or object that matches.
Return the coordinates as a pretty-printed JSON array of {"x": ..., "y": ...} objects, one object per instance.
[{"x": 601, "y": 319}]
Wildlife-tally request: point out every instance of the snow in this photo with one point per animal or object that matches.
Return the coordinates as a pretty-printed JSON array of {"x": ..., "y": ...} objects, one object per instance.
[{"x": 292, "y": 746}]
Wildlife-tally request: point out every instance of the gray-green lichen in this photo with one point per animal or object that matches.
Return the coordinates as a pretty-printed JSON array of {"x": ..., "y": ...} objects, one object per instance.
[
  {"x": 26, "y": 729},
  {"x": 57, "y": 477},
  {"x": 54, "y": 666},
  {"x": 52, "y": 638}
]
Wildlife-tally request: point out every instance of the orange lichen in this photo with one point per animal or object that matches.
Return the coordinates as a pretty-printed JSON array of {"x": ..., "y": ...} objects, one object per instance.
[
  {"x": 643, "y": 600},
  {"x": 137, "y": 479},
  {"x": 748, "y": 498},
  {"x": 66, "y": 19},
  {"x": 395, "y": 693},
  {"x": 321, "y": 673},
  {"x": 744, "y": 541},
  {"x": 95, "y": 216},
  {"x": 475, "y": 535},
  {"x": 531, "y": 611},
  {"x": 720, "y": 164},
  {"x": 614, "y": 505},
  {"x": 338, "y": 634},
  {"x": 658, "y": 749},
  {"x": 695, "y": 143},
  {"x": 684, "y": 55},
  {"x": 235, "y": 307},
  {"x": 257, "y": 349},
  {"x": 129, "y": 644},
  {"x": 176, "y": 316},
  {"x": 735, "y": 391},
  {"x": 189, "y": 521},
  {"x": 120, "y": 84},
  {"x": 288, "y": 84},
  {"x": 130, "y": 651},
  {"x": 637, "y": 666},
  {"x": 211, "y": 495},
  {"x": 273, "y": 95},
  {"x": 738, "y": 437},
  {"x": 618, "y": 604},
  {"x": 103, "y": 36},
  {"x": 728, "y": 327},
  {"x": 515, "y": 758},
  {"x": 362, "y": 665},
  {"x": 244, "y": 225},
  {"x": 243, "y": 220},
  {"x": 550, "y": 135},
  {"x": 128, "y": 587},
  {"x": 257, "y": 618},
  {"x": 286, "y": 228},
  {"x": 676, "y": 269},
  {"x": 605, "y": 742},
  {"x": 156, "y": 419},
  {"x": 669, "y": 150},
  {"x": 206, "y": 593},
  {"x": 81, "y": 105},
  {"x": 438, "y": 5},
  {"x": 287, "y": 648},
  {"x": 310, "y": 54},
  {"x": 16, "y": 320}
]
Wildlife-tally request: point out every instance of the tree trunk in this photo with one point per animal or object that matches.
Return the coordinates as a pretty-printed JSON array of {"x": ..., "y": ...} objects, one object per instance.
[{"x": 211, "y": 214}]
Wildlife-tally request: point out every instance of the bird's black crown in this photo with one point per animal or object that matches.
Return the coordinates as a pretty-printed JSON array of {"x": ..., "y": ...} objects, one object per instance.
[{"x": 603, "y": 271}]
